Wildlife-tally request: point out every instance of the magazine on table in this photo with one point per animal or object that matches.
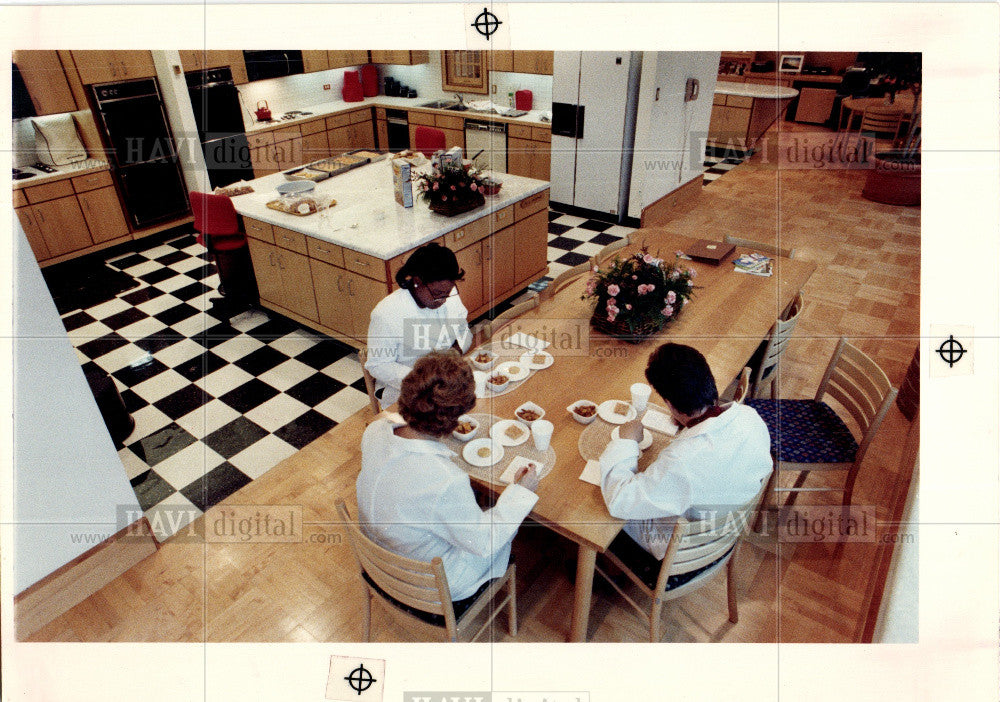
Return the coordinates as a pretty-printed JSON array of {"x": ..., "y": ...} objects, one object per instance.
[{"x": 754, "y": 264}]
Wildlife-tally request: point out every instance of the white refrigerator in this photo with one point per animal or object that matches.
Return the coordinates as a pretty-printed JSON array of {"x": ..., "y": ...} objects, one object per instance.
[{"x": 594, "y": 101}]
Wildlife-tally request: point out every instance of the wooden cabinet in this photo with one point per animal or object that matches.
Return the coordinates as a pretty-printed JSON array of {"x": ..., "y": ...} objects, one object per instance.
[
  {"x": 533, "y": 62},
  {"x": 106, "y": 66},
  {"x": 315, "y": 60},
  {"x": 315, "y": 147},
  {"x": 283, "y": 278},
  {"x": 399, "y": 58},
  {"x": 470, "y": 260},
  {"x": 464, "y": 72},
  {"x": 350, "y": 130},
  {"x": 33, "y": 233},
  {"x": 529, "y": 151},
  {"x": 501, "y": 60},
  {"x": 62, "y": 225},
  {"x": 345, "y": 59},
  {"x": 531, "y": 246},
  {"x": 103, "y": 214},
  {"x": 287, "y": 148},
  {"x": 197, "y": 60},
  {"x": 452, "y": 126},
  {"x": 46, "y": 81},
  {"x": 262, "y": 156},
  {"x": 345, "y": 299}
]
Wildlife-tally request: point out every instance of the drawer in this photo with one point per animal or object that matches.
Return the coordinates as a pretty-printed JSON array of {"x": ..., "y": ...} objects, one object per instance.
[
  {"x": 502, "y": 218},
  {"x": 325, "y": 251},
  {"x": 379, "y": 113},
  {"x": 92, "y": 181},
  {"x": 291, "y": 240},
  {"x": 260, "y": 139},
  {"x": 449, "y": 122},
  {"x": 366, "y": 265},
  {"x": 421, "y": 118},
  {"x": 469, "y": 234},
  {"x": 258, "y": 230},
  {"x": 519, "y": 131},
  {"x": 314, "y": 127},
  {"x": 359, "y": 116},
  {"x": 49, "y": 191},
  {"x": 739, "y": 101},
  {"x": 19, "y": 199},
  {"x": 335, "y": 121},
  {"x": 541, "y": 134},
  {"x": 286, "y": 133},
  {"x": 531, "y": 204},
  {"x": 718, "y": 99}
]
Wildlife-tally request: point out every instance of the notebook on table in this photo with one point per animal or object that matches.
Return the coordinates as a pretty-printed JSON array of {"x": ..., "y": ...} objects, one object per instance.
[{"x": 714, "y": 252}]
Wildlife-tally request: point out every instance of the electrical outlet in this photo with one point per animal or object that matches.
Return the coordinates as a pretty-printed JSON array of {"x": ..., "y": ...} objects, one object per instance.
[
  {"x": 494, "y": 91},
  {"x": 326, "y": 86}
]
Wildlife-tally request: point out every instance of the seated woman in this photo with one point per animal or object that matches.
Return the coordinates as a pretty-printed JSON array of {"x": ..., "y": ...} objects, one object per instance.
[
  {"x": 415, "y": 501},
  {"x": 425, "y": 314}
]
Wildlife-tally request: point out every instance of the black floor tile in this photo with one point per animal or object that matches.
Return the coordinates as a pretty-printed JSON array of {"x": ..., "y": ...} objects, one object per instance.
[
  {"x": 557, "y": 229},
  {"x": 151, "y": 489},
  {"x": 161, "y": 445},
  {"x": 554, "y": 215},
  {"x": 201, "y": 272},
  {"x": 229, "y": 440},
  {"x": 183, "y": 242},
  {"x": 260, "y": 361},
  {"x": 201, "y": 365},
  {"x": 273, "y": 329},
  {"x": 172, "y": 257},
  {"x": 252, "y": 393},
  {"x": 603, "y": 239},
  {"x": 315, "y": 389},
  {"x": 133, "y": 401},
  {"x": 77, "y": 320},
  {"x": 157, "y": 276},
  {"x": 215, "y": 486},
  {"x": 572, "y": 259},
  {"x": 304, "y": 430},
  {"x": 215, "y": 335},
  {"x": 323, "y": 353},
  {"x": 596, "y": 225},
  {"x": 189, "y": 292},
  {"x": 124, "y": 318},
  {"x": 179, "y": 403},
  {"x": 359, "y": 384},
  {"x": 177, "y": 313},
  {"x": 142, "y": 295},
  {"x": 102, "y": 345},
  {"x": 131, "y": 376},
  {"x": 564, "y": 243},
  {"x": 160, "y": 340},
  {"x": 127, "y": 262}
]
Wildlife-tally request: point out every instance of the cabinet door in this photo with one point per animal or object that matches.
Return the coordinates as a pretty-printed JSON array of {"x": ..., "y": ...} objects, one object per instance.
[
  {"x": 383, "y": 134},
  {"x": 500, "y": 262},
  {"x": 501, "y": 60},
  {"x": 338, "y": 59},
  {"x": 191, "y": 59},
  {"x": 313, "y": 61},
  {"x": 362, "y": 136},
  {"x": 97, "y": 66},
  {"x": 265, "y": 268},
  {"x": 33, "y": 232},
  {"x": 46, "y": 82},
  {"x": 62, "y": 225},
  {"x": 314, "y": 147},
  {"x": 365, "y": 294},
  {"x": 333, "y": 301},
  {"x": 104, "y": 214},
  {"x": 263, "y": 160},
  {"x": 470, "y": 259},
  {"x": 541, "y": 160},
  {"x": 464, "y": 72},
  {"x": 234, "y": 59},
  {"x": 531, "y": 241},
  {"x": 288, "y": 153},
  {"x": 533, "y": 62},
  {"x": 454, "y": 137},
  {"x": 296, "y": 284},
  {"x": 339, "y": 139},
  {"x": 520, "y": 153},
  {"x": 135, "y": 64}
]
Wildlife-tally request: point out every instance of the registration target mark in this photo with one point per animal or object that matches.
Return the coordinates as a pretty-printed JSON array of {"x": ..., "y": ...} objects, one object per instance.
[{"x": 353, "y": 679}]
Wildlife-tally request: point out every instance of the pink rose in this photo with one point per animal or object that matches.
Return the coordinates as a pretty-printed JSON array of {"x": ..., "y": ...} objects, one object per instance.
[
  {"x": 611, "y": 316},
  {"x": 435, "y": 186},
  {"x": 453, "y": 187},
  {"x": 472, "y": 187},
  {"x": 671, "y": 297},
  {"x": 596, "y": 269},
  {"x": 613, "y": 290},
  {"x": 685, "y": 302},
  {"x": 650, "y": 288},
  {"x": 628, "y": 306},
  {"x": 692, "y": 272},
  {"x": 590, "y": 287},
  {"x": 611, "y": 302},
  {"x": 444, "y": 198},
  {"x": 635, "y": 277},
  {"x": 667, "y": 311},
  {"x": 675, "y": 274},
  {"x": 647, "y": 258}
]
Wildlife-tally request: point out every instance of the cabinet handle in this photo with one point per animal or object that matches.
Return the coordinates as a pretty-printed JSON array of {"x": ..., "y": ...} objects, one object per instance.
[
  {"x": 270, "y": 258},
  {"x": 124, "y": 68},
  {"x": 460, "y": 234},
  {"x": 362, "y": 263},
  {"x": 339, "y": 288},
  {"x": 280, "y": 267},
  {"x": 350, "y": 291},
  {"x": 322, "y": 250},
  {"x": 41, "y": 216}
]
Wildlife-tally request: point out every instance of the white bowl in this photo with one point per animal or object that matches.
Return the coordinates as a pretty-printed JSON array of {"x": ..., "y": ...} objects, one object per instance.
[
  {"x": 296, "y": 187},
  {"x": 466, "y": 437},
  {"x": 483, "y": 366},
  {"x": 497, "y": 387},
  {"x": 529, "y": 406},
  {"x": 582, "y": 420}
]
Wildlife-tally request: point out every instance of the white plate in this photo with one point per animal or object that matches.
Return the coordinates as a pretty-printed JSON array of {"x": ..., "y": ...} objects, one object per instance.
[
  {"x": 517, "y": 462},
  {"x": 471, "y": 452},
  {"x": 605, "y": 411},
  {"x": 498, "y": 435},
  {"x": 647, "y": 437},
  {"x": 526, "y": 360},
  {"x": 296, "y": 187},
  {"x": 522, "y": 370}
]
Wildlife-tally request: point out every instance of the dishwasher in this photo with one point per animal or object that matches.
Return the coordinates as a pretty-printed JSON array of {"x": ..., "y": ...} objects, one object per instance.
[{"x": 491, "y": 139}]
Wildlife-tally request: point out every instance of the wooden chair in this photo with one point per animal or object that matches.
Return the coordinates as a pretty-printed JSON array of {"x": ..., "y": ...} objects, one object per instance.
[
  {"x": 881, "y": 120},
  {"x": 567, "y": 277},
  {"x": 693, "y": 545},
  {"x": 369, "y": 382},
  {"x": 767, "y": 369},
  {"x": 808, "y": 435},
  {"x": 769, "y": 249},
  {"x": 742, "y": 387},
  {"x": 491, "y": 327},
  {"x": 606, "y": 252},
  {"x": 422, "y": 586}
]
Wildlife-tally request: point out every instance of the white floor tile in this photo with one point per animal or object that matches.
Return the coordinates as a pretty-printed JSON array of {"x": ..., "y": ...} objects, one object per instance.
[
  {"x": 143, "y": 268},
  {"x": 588, "y": 249},
  {"x": 277, "y": 412},
  {"x": 556, "y": 268},
  {"x": 343, "y": 404},
  {"x": 88, "y": 332},
  {"x": 569, "y": 220},
  {"x": 195, "y": 324},
  {"x": 287, "y": 374},
  {"x": 142, "y": 329},
  {"x": 158, "y": 251},
  {"x": 171, "y": 284},
  {"x": 134, "y": 466},
  {"x": 618, "y": 230},
  {"x": 160, "y": 385},
  {"x": 203, "y": 302},
  {"x": 236, "y": 348},
  {"x": 187, "y": 264},
  {"x": 579, "y": 234},
  {"x": 294, "y": 343},
  {"x": 176, "y": 354},
  {"x": 121, "y": 357},
  {"x": 171, "y": 515},
  {"x": 188, "y": 464},
  {"x": 223, "y": 380},
  {"x": 148, "y": 420},
  {"x": 213, "y": 415},
  {"x": 158, "y": 304},
  {"x": 106, "y": 309},
  {"x": 347, "y": 370},
  {"x": 249, "y": 320},
  {"x": 194, "y": 250},
  {"x": 258, "y": 458}
]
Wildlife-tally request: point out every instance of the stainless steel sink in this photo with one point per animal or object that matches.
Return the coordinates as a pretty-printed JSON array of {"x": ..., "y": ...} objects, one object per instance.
[
  {"x": 441, "y": 104},
  {"x": 457, "y": 107}
]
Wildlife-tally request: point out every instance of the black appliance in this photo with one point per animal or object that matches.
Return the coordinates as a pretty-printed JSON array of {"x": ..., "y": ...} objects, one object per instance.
[
  {"x": 273, "y": 63},
  {"x": 567, "y": 120},
  {"x": 762, "y": 66},
  {"x": 397, "y": 127},
  {"x": 218, "y": 117},
  {"x": 21, "y": 104},
  {"x": 142, "y": 150}
]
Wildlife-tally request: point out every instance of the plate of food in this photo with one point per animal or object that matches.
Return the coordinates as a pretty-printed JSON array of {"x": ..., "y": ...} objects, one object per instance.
[
  {"x": 509, "y": 432},
  {"x": 515, "y": 370},
  {"x": 529, "y": 412},
  {"x": 616, "y": 411},
  {"x": 497, "y": 381},
  {"x": 583, "y": 411},
  {"x": 647, "y": 437},
  {"x": 483, "y": 359},
  {"x": 537, "y": 360},
  {"x": 482, "y": 452},
  {"x": 466, "y": 429},
  {"x": 519, "y": 462}
]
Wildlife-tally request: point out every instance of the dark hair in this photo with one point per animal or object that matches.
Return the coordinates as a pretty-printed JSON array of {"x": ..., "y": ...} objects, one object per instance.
[
  {"x": 437, "y": 392},
  {"x": 681, "y": 376},
  {"x": 431, "y": 262}
]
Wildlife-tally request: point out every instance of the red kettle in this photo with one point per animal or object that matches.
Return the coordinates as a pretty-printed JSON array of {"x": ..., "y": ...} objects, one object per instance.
[{"x": 263, "y": 113}]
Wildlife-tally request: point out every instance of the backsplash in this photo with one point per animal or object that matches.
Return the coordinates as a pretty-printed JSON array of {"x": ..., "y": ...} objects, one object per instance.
[{"x": 292, "y": 92}]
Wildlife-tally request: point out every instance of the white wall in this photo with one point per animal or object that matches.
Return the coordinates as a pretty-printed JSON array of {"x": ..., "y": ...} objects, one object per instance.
[
  {"x": 180, "y": 113},
  {"x": 669, "y": 131},
  {"x": 68, "y": 479}
]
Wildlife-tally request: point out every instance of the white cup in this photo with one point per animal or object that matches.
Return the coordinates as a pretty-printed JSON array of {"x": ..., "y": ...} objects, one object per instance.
[
  {"x": 640, "y": 396},
  {"x": 480, "y": 378},
  {"x": 541, "y": 433}
]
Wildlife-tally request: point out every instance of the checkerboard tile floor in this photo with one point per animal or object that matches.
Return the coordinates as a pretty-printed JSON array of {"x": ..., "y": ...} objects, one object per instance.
[{"x": 719, "y": 161}]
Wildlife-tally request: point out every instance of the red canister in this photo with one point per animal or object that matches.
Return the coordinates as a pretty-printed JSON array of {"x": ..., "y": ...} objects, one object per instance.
[
  {"x": 369, "y": 80},
  {"x": 522, "y": 100},
  {"x": 352, "y": 87}
]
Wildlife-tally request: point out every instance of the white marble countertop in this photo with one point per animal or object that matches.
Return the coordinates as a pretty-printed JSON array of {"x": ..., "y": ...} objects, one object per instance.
[
  {"x": 88, "y": 165},
  {"x": 325, "y": 109},
  {"x": 366, "y": 217},
  {"x": 755, "y": 90}
]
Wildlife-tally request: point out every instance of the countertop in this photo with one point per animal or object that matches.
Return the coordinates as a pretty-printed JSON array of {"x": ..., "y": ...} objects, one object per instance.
[
  {"x": 755, "y": 90},
  {"x": 79, "y": 168},
  {"x": 325, "y": 109},
  {"x": 367, "y": 217}
]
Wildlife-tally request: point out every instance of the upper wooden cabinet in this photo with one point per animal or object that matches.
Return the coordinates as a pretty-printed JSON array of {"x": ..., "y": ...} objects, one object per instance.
[
  {"x": 46, "y": 81},
  {"x": 315, "y": 60},
  {"x": 106, "y": 66},
  {"x": 464, "y": 71},
  {"x": 350, "y": 57},
  {"x": 533, "y": 62},
  {"x": 197, "y": 60},
  {"x": 399, "y": 58},
  {"x": 501, "y": 60}
]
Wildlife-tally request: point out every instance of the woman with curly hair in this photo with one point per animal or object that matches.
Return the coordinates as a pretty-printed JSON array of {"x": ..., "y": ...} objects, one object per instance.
[{"x": 415, "y": 501}]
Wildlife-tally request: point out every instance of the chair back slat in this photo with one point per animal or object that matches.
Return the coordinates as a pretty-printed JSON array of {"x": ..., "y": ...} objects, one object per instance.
[
  {"x": 867, "y": 368},
  {"x": 857, "y": 413},
  {"x": 606, "y": 252},
  {"x": 424, "y": 599},
  {"x": 502, "y": 320},
  {"x": 700, "y": 542},
  {"x": 419, "y": 580},
  {"x": 567, "y": 277},
  {"x": 779, "y": 337},
  {"x": 694, "y": 558}
]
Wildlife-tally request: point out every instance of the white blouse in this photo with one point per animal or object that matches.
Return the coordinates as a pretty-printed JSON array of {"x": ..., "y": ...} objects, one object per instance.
[
  {"x": 400, "y": 332},
  {"x": 416, "y": 502}
]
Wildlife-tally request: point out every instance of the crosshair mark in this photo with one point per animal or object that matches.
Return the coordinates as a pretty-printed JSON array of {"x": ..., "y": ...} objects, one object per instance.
[
  {"x": 487, "y": 23},
  {"x": 353, "y": 679},
  {"x": 952, "y": 350},
  {"x": 487, "y": 26}
]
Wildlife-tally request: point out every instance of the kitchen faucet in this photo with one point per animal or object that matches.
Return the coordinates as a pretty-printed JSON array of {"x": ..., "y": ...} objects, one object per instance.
[{"x": 460, "y": 98}]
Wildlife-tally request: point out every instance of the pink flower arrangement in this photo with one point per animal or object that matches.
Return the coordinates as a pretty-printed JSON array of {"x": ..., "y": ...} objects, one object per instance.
[
  {"x": 613, "y": 290},
  {"x": 450, "y": 184}
]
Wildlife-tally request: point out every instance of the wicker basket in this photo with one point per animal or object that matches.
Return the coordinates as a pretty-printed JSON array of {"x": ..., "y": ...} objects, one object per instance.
[
  {"x": 620, "y": 329},
  {"x": 455, "y": 207}
]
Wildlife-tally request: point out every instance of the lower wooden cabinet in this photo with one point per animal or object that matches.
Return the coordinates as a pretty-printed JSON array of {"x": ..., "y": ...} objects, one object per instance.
[
  {"x": 103, "y": 213},
  {"x": 470, "y": 260},
  {"x": 283, "y": 278},
  {"x": 345, "y": 299},
  {"x": 529, "y": 151},
  {"x": 60, "y": 223},
  {"x": 33, "y": 232},
  {"x": 531, "y": 244}
]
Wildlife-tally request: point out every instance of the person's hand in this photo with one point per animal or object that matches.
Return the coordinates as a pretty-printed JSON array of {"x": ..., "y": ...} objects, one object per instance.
[
  {"x": 527, "y": 478},
  {"x": 631, "y": 430}
]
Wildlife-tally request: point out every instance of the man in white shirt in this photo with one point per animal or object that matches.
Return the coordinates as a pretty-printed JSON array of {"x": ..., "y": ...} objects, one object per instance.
[{"x": 719, "y": 458}]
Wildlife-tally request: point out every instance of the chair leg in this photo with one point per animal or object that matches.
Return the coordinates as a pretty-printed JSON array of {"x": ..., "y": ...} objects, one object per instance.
[
  {"x": 654, "y": 622},
  {"x": 512, "y": 605},
  {"x": 765, "y": 503},
  {"x": 368, "y": 616},
  {"x": 734, "y": 615},
  {"x": 849, "y": 488}
]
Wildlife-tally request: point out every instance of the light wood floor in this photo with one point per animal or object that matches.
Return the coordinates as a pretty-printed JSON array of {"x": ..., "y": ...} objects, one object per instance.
[{"x": 866, "y": 287}]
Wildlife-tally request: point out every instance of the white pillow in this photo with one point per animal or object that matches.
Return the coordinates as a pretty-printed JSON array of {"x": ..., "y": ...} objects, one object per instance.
[{"x": 57, "y": 141}]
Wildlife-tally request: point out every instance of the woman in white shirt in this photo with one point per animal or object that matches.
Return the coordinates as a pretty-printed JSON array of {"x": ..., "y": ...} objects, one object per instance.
[
  {"x": 415, "y": 501},
  {"x": 425, "y": 314}
]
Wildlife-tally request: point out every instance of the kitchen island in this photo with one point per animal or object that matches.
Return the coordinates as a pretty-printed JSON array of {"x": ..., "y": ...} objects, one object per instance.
[
  {"x": 327, "y": 270},
  {"x": 742, "y": 112}
]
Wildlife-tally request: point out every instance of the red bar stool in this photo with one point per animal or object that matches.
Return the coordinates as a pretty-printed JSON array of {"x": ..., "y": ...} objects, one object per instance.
[
  {"x": 218, "y": 229},
  {"x": 427, "y": 140}
]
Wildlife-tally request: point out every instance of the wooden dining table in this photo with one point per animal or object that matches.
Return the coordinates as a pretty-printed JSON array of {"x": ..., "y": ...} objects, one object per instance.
[
  {"x": 727, "y": 317},
  {"x": 854, "y": 106}
]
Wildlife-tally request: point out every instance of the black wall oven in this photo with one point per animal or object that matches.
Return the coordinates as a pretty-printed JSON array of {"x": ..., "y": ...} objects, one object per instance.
[
  {"x": 218, "y": 117},
  {"x": 143, "y": 153},
  {"x": 273, "y": 63}
]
